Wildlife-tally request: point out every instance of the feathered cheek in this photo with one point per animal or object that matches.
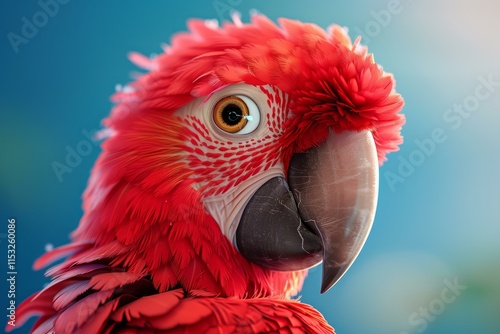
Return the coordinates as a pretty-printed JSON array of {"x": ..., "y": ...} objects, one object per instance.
[
  {"x": 232, "y": 136},
  {"x": 231, "y": 158}
]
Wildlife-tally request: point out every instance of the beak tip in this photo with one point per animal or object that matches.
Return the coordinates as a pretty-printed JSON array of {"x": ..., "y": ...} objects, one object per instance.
[{"x": 331, "y": 275}]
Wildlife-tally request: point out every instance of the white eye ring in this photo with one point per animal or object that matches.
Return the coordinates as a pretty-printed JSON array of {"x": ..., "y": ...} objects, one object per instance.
[{"x": 236, "y": 114}]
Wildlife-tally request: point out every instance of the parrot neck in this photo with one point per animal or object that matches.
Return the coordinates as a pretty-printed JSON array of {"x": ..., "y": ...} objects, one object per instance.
[{"x": 176, "y": 243}]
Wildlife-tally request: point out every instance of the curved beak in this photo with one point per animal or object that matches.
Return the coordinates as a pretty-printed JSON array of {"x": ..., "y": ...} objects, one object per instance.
[{"x": 323, "y": 213}]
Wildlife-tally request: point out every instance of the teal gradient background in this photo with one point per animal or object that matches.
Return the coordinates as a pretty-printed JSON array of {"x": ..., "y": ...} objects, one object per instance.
[{"x": 438, "y": 216}]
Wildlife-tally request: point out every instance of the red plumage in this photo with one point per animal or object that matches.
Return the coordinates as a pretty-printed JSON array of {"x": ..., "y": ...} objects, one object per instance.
[{"x": 147, "y": 257}]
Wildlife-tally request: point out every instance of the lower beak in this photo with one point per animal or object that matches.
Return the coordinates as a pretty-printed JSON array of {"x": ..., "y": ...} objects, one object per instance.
[{"x": 324, "y": 212}]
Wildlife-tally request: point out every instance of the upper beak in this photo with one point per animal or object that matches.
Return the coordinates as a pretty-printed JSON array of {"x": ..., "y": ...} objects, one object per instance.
[{"x": 324, "y": 212}]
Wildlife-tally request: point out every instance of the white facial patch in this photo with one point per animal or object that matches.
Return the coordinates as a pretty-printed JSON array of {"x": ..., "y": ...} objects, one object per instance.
[{"x": 229, "y": 167}]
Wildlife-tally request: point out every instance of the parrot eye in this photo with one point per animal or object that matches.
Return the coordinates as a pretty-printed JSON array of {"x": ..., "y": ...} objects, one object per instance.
[{"x": 236, "y": 114}]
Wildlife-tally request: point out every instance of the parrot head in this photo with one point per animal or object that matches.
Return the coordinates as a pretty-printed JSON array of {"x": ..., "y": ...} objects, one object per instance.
[{"x": 245, "y": 155}]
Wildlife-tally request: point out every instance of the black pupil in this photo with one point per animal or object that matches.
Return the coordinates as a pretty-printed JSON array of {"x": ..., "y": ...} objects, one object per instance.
[{"x": 232, "y": 114}]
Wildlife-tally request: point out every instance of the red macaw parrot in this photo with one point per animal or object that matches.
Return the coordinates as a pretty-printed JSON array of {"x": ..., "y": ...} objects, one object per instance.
[{"x": 246, "y": 155}]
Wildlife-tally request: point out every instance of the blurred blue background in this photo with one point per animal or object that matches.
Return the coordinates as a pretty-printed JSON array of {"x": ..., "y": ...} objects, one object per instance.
[{"x": 438, "y": 217}]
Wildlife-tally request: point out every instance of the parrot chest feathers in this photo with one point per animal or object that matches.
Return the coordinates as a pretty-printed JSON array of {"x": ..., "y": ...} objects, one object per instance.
[{"x": 120, "y": 300}]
